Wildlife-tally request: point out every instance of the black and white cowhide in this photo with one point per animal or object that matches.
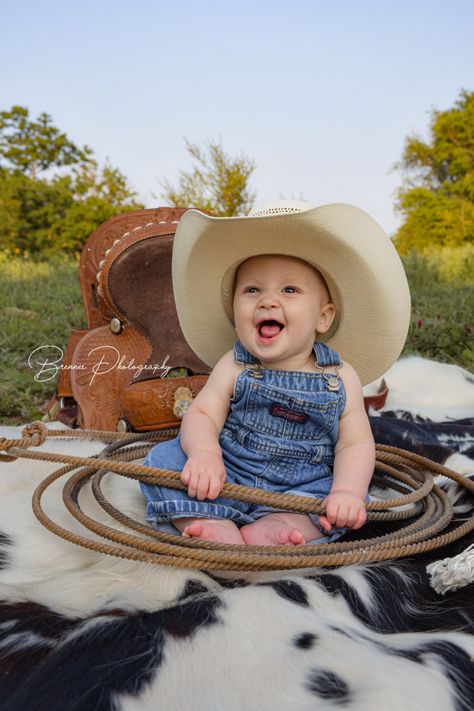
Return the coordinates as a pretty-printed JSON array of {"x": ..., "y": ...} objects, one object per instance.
[{"x": 84, "y": 631}]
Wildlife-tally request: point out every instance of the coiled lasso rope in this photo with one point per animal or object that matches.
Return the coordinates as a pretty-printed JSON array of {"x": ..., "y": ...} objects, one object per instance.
[{"x": 421, "y": 501}]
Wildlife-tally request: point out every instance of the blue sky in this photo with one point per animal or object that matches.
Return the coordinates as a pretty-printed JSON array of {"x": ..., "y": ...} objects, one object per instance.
[{"x": 319, "y": 94}]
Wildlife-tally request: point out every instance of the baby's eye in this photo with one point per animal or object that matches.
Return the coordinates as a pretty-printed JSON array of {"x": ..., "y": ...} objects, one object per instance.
[
  {"x": 251, "y": 290},
  {"x": 290, "y": 289}
]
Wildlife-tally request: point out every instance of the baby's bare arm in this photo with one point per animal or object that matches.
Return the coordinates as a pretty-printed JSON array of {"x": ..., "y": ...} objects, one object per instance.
[
  {"x": 354, "y": 460},
  {"x": 204, "y": 472}
]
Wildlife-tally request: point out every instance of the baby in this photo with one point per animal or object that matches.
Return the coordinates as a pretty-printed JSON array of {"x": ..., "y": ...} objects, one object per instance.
[{"x": 281, "y": 410}]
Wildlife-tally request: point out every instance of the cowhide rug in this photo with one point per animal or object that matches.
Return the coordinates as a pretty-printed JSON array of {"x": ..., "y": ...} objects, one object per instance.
[{"x": 85, "y": 631}]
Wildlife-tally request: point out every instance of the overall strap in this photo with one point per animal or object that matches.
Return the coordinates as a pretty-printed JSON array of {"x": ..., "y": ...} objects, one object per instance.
[
  {"x": 326, "y": 355},
  {"x": 241, "y": 355}
]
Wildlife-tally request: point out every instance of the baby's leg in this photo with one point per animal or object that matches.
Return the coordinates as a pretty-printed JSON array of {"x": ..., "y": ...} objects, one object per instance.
[
  {"x": 221, "y": 530},
  {"x": 280, "y": 529}
]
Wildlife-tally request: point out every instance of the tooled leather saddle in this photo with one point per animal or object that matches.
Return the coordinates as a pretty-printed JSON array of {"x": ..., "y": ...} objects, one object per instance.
[{"x": 131, "y": 369}]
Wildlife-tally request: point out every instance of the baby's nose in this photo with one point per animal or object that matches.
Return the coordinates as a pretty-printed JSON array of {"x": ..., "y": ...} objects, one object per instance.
[{"x": 268, "y": 301}]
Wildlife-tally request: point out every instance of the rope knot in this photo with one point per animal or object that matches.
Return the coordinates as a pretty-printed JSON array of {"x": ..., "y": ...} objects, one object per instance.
[{"x": 34, "y": 434}]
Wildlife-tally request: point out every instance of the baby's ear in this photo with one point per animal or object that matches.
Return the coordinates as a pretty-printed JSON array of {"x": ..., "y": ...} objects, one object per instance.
[{"x": 326, "y": 317}]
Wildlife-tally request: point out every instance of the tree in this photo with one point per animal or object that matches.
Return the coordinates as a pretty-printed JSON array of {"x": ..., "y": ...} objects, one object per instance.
[
  {"x": 52, "y": 193},
  {"x": 437, "y": 198},
  {"x": 33, "y": 146},
  {"x": 217, "y": 184},
  {"x": 96, "y": 196}
]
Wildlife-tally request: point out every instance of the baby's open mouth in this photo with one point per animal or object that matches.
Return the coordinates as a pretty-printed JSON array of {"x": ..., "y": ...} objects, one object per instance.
[{"x": 269, "y": 328}]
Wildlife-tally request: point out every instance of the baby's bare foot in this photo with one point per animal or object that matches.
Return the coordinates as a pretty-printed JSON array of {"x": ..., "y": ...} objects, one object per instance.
[
  {"x": 269, "y": 531},
  {"x": 218, "y": 531}
]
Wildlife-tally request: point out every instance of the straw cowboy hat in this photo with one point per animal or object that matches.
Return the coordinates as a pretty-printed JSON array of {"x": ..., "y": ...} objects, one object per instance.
[{"x": 362, "y": 269}]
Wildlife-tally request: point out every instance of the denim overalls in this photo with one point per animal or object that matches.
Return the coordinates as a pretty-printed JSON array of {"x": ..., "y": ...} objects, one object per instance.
[{"x": 279, "y": 435}]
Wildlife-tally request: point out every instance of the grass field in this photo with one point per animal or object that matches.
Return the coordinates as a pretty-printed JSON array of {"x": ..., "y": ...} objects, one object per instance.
[{"x": 41, "y": 301}]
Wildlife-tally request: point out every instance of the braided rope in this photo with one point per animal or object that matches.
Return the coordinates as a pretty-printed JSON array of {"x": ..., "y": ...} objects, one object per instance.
[{"x": 424, "y": 503}]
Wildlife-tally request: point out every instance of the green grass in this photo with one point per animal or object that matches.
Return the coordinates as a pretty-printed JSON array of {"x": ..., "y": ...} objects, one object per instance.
[
  {"x": 442, "y": 292},
  {"x": 41, "y": 301},
  {"x": 39, "y": 304}
]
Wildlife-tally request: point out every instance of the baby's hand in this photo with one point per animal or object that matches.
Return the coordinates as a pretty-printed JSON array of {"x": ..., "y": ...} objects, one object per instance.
[
  {"x": 343, "y": 509},
  {"x": 204, "y": 474}
]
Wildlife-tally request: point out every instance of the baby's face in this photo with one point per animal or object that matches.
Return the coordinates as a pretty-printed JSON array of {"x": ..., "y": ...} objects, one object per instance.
[{"x": 280, "y": 303}]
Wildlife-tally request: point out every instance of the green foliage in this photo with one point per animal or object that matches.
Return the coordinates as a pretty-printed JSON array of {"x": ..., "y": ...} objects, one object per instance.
[
  {"x": 441, "y": 265},
  {"x": 442, "y": 291},
  {"x": 45, "y": 212},
  {"x": 437, "y": 199},
  {"x": 32, "y": 146},
  {"x": 217, "y": 184}
]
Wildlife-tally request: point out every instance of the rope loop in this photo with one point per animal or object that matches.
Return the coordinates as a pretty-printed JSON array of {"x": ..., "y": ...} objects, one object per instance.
[
  {"x": 429, "y": 512},
  {"x": 5, "y": 444},
  {"x": 34, "y": 434}
]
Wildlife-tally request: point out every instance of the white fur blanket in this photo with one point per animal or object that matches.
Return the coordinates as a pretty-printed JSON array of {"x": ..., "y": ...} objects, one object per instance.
[{"x": 84, "y": 631}]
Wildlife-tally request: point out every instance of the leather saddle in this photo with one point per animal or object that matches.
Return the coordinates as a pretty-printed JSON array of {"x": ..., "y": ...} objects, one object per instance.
[{"x": 131, "y": 369}]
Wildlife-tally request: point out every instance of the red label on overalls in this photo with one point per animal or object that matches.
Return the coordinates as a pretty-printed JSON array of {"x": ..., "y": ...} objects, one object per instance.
[{"x": 279, "y": 411}]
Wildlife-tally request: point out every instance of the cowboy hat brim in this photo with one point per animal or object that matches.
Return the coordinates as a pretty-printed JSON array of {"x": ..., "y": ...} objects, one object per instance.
[{"x": 362, "y": 269}]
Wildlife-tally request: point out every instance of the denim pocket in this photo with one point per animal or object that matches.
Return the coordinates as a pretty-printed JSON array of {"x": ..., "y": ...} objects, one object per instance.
[{"x": 274, "y": 413}]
